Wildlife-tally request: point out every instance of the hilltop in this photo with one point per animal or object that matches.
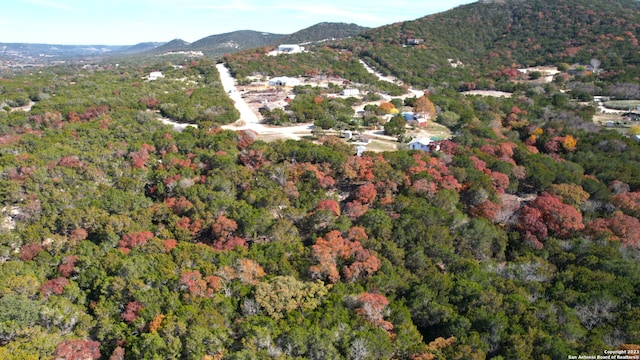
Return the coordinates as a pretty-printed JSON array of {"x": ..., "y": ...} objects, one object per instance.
[
  {"x": 490, "y": 35},
  {"x": 322, "y": 32}
]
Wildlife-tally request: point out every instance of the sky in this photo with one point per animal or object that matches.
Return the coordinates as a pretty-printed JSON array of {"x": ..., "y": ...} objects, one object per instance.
[{"x": 128, "y": 22}]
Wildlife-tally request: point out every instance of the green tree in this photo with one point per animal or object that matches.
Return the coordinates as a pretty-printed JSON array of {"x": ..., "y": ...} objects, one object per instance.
[
  {"x": 284, "y": 294},
  {"x": 395, "y": 126}
]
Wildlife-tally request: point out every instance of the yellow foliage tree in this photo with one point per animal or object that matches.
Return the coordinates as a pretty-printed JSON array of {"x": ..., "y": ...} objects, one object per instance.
[
  {"x": 570, "y": 194},
  {"x": 635, "y": 130},
  {"x": 387, "y": 107},
  {"x": 569, "y": 143}
]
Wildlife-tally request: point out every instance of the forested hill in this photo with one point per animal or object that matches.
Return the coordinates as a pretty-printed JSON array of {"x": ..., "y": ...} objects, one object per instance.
[
  {"x": 323, "y": 31},
  {"x": 509, "y": 33}
]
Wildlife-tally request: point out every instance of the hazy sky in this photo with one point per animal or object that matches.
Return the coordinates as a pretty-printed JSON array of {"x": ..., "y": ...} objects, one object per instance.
[{"x": 128, "y": 22}]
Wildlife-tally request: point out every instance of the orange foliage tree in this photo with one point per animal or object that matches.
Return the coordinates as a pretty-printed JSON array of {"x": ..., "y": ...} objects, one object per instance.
[
  {"x": 424, "y": 105},
  {"x": 333, "y": 250}
]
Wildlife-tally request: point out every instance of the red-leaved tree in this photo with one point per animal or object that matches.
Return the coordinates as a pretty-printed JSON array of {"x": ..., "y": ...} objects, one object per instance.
[
  {"x": 77, "y": 349},
  {"x": 619, "y": 227},
  {"x": 532, "y": 226},
  {"x": 132, "y": 312},
  {"x": 333, "y": 251},
  {"x": 371, "y": 307},
  {"x": 197, "y": 286},
  {"x": 329, "y": 204},
  {"x": 68, "y": 263},
  {"x": 29, "y": 251},
  {"x": 53, "y": 286},
  {"x": 366, "y": 193},
  {"x": 561, "y": 219},
  {"x": 130, "y": 241}
]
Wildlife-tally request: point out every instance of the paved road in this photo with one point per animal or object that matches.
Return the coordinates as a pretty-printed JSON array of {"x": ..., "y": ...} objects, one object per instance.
[{"x": 249, "y": 119}]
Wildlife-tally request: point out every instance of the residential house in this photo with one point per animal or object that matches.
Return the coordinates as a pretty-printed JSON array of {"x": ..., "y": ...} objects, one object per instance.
[
  {"x": 155, "y": 75},
  {"x": 284, "y": 81},
  {"x": 412, "y": 117},
  {"x": 290, "y": 49},
  {"x": 421, "y": 143}
]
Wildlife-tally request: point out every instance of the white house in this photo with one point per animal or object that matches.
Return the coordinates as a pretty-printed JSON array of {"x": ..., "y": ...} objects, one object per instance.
[
  {"x": 290, "y": 48},
  {"x": 155, "y": 75},
  {"x": 284, "y": 81},
  {"x": 350, "y": 92},
  {"x": 420, "y": 144}
]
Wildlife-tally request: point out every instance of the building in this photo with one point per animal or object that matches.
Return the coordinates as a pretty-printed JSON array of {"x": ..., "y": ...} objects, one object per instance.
[
  {"x": 155, "y": 75},
  {"x": 290, "y": 49},
  {"x": 420, "y": 144},
  {"x": 415, "y": 41},
  {"x": 284, "y": 81},
  {"x": 419, "y": 118},
  {"x": 408, "y": 116},
  {"x": 350, "y": 92}
]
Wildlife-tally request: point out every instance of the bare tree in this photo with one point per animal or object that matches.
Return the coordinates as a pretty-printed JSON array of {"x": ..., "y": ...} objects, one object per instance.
[
  {"x": 358, "y": 349},
  {"x": 595, "y": 313}
]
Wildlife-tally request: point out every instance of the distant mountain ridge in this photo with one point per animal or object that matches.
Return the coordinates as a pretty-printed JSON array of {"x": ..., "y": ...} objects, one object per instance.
[
  {"x": 220, "y": 44},
  {"x": 213, "y": 45}
]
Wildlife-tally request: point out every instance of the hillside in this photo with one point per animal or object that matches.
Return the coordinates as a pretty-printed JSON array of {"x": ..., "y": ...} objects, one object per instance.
[
  {"x": 124, "y": 239},
  {"x": 511, "y": 33},
  {"x": 220, "y": 44},
  {"x": 173, "y": 45},
  {"x": 323, "y": 31},
  {"x": 216, "y": 45}
]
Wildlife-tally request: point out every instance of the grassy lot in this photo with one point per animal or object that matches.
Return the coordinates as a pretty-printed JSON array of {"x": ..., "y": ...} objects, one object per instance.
[{"x": 622, "y": 104}]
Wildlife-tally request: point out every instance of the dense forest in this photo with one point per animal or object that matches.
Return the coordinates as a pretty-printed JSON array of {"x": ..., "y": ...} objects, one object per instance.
[
  {"x": 121, "y": 238},
  {"x": 491, "y": 36}
]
